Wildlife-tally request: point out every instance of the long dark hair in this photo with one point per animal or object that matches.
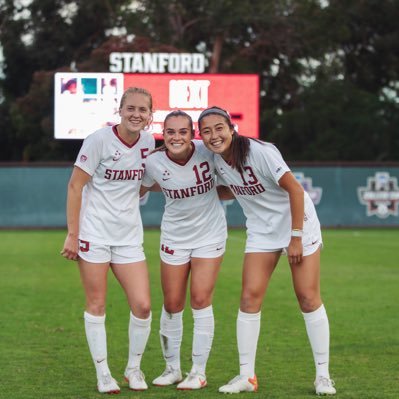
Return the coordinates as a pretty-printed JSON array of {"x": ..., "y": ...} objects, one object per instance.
[
  {"x": 171, "y": 115},
  {"x": 239, "y": 145}
]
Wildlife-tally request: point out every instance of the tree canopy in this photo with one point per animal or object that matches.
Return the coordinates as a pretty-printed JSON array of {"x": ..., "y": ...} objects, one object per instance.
[{"x": 328, "y": 69}]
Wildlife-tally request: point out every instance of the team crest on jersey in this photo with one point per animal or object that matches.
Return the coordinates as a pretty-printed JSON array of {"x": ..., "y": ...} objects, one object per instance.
[
  {"x": 83, "y": 158},
  {"x": 165, "y": 175},
  {"x": 381, "y": 196},
  {"x": 315, "y": 193},
  {"x": 117, "y": 155}
]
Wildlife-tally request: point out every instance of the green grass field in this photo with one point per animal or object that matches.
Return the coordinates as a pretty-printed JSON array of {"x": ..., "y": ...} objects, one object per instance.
[{"x": 44, "y": 354}]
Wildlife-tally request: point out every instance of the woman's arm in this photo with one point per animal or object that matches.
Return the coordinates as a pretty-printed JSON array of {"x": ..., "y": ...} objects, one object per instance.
[
  {"x": 224, "y": 193},
  {"x": 297, "y": 205},
  {"x": 144, "y": 190},
  {"x": 76, "y": 183}
]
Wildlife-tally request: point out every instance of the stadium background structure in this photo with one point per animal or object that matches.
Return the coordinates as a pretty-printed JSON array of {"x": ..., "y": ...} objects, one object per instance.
[{"x": 34, "y": 196}]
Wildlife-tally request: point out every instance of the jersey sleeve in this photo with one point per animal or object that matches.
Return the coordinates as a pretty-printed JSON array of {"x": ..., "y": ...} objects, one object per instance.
[
  {"x": 152, "y": 142},
  {"x": 148, "y": 139},
  {"x": 272, "y": 163},
  {"x": 90, "y": 154},
  {"x": 148, "y": 179},
  {"x": 219, "y": 180}
]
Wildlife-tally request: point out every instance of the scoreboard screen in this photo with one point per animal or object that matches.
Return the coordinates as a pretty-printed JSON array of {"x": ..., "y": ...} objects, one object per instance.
[{"x": 85, "y": 102}]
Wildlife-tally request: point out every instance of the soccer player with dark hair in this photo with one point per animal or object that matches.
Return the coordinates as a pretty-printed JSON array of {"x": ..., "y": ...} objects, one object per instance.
[{"x": 280, "y": 218}]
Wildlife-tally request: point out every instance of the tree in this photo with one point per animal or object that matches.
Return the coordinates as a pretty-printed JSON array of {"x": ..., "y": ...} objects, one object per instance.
[
  {"x": 337, "y": 121},
  {"x": 38, "y": 39},
  {"x": 345, "y": 112},
  {"x": 328, "y": 74}
]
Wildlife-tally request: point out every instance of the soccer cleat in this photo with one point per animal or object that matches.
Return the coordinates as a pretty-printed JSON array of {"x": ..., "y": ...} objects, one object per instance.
[
  {"x": 169, "y": 377},
  {"x": 193, "y": 381},
  {"x": 136, "y": 379},
  {"x": 324, "y": 386},
  {"x": 241, "y": 383},
  {"x": 107, "y": 384}
]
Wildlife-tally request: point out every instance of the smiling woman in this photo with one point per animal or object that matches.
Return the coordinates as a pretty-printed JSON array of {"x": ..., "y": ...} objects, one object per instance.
[
  {"x": 105, "y": 231},
  {"x": 136, "y": 113},
  {"x": 193, "y": 239},
  {"x": 281, "y": 219}
]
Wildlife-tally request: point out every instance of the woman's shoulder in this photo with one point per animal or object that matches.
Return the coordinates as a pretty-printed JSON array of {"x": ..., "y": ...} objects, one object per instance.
[
  {"x": 198, "y": 143},
  {"x": 262, "y": 146},
  {"x": 147, "y": 137},
  {"x": 264, "y": 152},
  {"x": 201, "y": 148},
  {"x": 156, "y": 155},
  {"x": 100, "y": 135}
]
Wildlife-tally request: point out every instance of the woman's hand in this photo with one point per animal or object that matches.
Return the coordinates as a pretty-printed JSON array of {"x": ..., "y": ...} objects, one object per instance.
[
  {"x": 295, "y": 251},
  {"x": 71, "y": 247}
]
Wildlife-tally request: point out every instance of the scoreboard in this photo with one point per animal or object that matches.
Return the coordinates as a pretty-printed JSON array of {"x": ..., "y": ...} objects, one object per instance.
[{"x": 85, "y": 102}]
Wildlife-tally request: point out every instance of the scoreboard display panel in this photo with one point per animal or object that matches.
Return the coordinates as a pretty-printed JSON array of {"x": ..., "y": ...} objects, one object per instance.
[{"x": 85, "y": 102}]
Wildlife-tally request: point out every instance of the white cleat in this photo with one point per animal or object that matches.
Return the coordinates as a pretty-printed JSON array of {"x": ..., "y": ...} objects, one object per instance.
[
  {"x": 107, "y": 384},
  {"x": 169, "y": 377},
  {"x": 241, "y": 383},
  {"x": 193, "y": 381},
  {"x": 324, "y": 386},
  {"x": 136, "y": 379}
]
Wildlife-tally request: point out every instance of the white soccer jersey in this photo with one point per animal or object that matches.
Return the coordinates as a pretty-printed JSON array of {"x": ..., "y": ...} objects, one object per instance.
[
  {"x": 193, "y": 215},
  {"x": 265, "y": 204},
  {"x": 110, "y": 212}
]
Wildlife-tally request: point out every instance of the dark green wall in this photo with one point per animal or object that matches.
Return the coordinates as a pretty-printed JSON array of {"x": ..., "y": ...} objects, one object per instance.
[{"x": 36, "y": 197}]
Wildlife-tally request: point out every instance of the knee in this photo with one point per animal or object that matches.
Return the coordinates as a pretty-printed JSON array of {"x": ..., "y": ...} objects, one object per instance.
[
  {"x": 95, "y": 303},
  {"x": 174, "y": 302},
  {"x": 142, "y": 309},
  {"x": 173, "y": 305},
  {"x": 200, "y": 300},
  {"x": 309, "y": 301},
  {"x": 95, "y": 308},
  {"x": 251, "y": 301}
]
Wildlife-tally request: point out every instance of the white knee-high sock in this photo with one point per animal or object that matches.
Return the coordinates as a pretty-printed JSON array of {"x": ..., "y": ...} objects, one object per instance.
[
  {"x": 318, "y": 330},
  {"x": 204, "y": 328},
  {"x": 171, "y": 333},
  {"x": 97, "y": 340},
  {"x": 248, "y": 327},
  {"x": 139, "y": 331}
]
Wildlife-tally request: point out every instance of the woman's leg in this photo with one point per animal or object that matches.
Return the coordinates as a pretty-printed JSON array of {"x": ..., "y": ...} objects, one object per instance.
[
  {"x": 174, "y": 285},
  {"x": 257, "y": 271},
  {"x": 134, "y": 280},
  {"x": 204, "y": 272},
  {"x": 94, "y": 280},
  {"x": 306, "y": 280}
]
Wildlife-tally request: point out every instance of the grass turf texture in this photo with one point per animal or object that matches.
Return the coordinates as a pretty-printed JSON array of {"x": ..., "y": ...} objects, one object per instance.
[{"x": 44, "y": 354}]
